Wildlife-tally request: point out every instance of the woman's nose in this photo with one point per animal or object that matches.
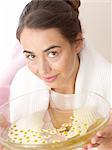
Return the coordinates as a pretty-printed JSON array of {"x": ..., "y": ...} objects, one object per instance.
[{"x": 44, "y": 67}]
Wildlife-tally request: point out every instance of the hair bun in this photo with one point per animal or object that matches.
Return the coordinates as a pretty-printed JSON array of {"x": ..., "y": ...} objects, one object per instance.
[{"x": 75, "y": 4}]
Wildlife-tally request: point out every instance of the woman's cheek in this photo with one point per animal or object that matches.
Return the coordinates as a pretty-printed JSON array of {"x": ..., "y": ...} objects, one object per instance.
[{"x": 33, "y": 67}]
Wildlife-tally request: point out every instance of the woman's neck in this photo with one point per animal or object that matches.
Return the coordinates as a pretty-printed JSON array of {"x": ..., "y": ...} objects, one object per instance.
[{"x": 69, "y": 87}]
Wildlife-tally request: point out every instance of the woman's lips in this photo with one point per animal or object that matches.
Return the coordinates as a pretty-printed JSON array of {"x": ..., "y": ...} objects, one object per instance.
[{"x": 50, "y": 79}]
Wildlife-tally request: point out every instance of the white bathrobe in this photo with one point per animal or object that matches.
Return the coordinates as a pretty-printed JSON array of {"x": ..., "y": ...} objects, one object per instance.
[{"x": 94, "y": 75}]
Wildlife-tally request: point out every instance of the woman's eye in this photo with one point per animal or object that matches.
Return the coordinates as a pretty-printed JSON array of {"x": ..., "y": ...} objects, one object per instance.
[
  {"x": 30, "y": 57},
  {"x": 52, "y": 54}
]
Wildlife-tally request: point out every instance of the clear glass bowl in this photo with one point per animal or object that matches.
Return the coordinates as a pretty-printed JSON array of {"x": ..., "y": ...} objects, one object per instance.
[{"x": 31, "y": 122}]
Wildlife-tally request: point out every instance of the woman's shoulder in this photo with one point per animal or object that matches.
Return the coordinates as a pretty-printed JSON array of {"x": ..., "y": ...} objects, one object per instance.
[
  {"x": 25, "y": 81},
  {"x": 94, "y": 72},
  {"x": 24, "y": 74},
  {"x": 23, "y": 71},
  {"x": 93, "y": 62}
]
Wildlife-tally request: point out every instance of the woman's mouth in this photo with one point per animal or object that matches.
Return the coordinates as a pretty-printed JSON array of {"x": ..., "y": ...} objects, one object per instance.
[{"x": 50, "y": 78}]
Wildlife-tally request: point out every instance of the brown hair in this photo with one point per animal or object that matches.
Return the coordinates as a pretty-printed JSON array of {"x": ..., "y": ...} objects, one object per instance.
[{"x": 44, "y": 14}]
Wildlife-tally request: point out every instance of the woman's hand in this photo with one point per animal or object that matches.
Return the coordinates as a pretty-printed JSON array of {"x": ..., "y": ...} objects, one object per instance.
[
  {"x": 3, "y": 124},
  {"x": 103, "y": 138},
  {"x": 1, "y": 148}
]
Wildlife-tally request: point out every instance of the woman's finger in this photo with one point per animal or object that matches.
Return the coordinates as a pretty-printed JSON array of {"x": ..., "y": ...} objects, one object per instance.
[
  {"x": 97, "y": 140},
  {"x": 1, "y": 148},
  {"x": 90, "y": 146},
  {"x": 84, "y": 147},
  {"x": 106, "y": 132},
  {"x": 3, "y": 121}
]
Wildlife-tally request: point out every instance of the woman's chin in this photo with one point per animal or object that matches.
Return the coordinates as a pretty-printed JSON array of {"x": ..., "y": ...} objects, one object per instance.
[{"x": 52, "y": 86}]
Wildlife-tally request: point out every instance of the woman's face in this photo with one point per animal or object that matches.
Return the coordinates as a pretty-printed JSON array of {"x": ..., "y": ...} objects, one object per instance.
[{"x": 49, "y": 56}]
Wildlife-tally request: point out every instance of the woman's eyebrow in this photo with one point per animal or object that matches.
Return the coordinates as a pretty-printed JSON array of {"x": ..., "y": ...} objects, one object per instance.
[
  {"x": 26, "y": 51},
  {"x": 51, "y": 47}
]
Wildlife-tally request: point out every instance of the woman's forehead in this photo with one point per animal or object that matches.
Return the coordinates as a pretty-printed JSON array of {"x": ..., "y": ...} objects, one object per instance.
[{"x": 41, "y": 38}]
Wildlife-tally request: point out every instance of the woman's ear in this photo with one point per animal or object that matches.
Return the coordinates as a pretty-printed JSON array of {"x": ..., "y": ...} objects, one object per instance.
[{"x": 78, "y": 43}]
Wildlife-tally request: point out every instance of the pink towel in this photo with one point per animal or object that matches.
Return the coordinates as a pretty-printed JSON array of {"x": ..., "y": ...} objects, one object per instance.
[
  {"x": 9, "y": 72},
  {"x": 4, "y": 94}
]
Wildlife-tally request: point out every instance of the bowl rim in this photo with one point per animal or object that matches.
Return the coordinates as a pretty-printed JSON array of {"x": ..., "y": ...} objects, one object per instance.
[{"x": 60, "y": 144}]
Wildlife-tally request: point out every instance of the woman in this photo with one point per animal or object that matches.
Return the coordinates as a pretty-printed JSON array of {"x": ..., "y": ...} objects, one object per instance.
[{"x": 51, "y": 36}]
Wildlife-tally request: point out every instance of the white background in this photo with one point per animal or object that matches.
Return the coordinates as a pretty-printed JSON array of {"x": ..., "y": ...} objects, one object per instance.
[
  {"x": 95, "y": 17},
  {"x": 96, "y": 21}
]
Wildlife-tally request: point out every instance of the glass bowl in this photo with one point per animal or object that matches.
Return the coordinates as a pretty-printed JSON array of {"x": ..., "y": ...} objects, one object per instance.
[{"x": 43, "y": 120}]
